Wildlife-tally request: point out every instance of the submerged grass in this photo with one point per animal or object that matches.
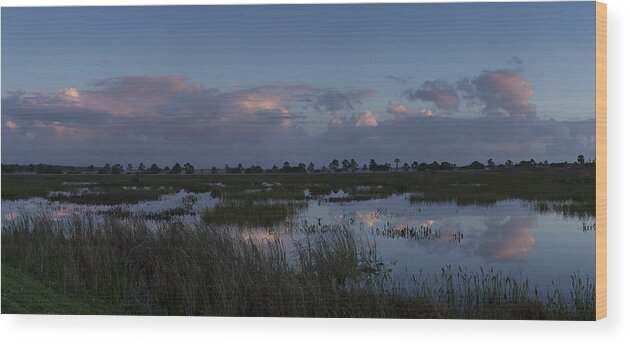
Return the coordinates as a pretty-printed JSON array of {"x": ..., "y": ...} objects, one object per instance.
[
  {"x": 210, "y": 269},
  {"x": 111, "y": 197},
  {"x": 582, "y": 210},
  {"x": 251, "y": 213}
]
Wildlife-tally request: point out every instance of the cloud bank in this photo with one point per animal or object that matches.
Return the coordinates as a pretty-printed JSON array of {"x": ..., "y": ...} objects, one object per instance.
[{"x": 168, "y": 118}]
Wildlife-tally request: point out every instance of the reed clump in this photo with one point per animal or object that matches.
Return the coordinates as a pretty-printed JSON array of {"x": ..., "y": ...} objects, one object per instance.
[{"x": 247, "y": 213}]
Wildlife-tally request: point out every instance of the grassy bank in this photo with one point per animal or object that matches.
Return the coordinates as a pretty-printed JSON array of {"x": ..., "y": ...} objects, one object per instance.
[
  {"x": 23, "y": 294},
  {"x": 207, "y": 269}
]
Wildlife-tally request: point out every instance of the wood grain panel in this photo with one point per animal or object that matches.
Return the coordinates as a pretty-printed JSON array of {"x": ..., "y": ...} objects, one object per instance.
[{"x": 600, "y": 108}]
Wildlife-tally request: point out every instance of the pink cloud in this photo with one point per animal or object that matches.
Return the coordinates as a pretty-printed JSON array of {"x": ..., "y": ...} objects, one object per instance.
[
  {"x": 508, "y": 238},
  {"x": 505, "y": 92},
  {"x": 366, "y": 119},
  {"x": 11, "y": 124},
  {"x": 400, "y": 111}
]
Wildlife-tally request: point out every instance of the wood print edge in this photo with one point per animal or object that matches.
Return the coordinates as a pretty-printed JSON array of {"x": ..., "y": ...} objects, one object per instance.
[{"x": 601, "y": 162}]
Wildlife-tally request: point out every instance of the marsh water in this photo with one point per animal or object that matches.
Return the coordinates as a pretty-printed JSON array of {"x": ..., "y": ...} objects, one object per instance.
[{"x": 411, "y": 238}]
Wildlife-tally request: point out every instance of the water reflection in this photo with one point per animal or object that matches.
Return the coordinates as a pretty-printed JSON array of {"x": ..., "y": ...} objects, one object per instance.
[
  {"x": 510, "y": 235},
  {"x": 507, "y": 238}
]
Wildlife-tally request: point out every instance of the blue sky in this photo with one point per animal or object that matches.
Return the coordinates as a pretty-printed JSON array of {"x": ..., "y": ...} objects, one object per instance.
[{"x": 146, "y": 75}]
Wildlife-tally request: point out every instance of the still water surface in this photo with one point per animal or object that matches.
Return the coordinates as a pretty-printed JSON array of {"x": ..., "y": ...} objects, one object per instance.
[{"x": 410, "y": 238}]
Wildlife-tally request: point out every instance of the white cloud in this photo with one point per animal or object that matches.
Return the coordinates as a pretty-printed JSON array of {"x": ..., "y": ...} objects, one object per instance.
[{"x": 69, "y": 94}]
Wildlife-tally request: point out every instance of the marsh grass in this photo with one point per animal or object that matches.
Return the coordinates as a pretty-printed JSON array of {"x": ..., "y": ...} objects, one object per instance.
[
  {"x": 252, "y": 213},
  {"x": 210, "y": 269},
  {"x": 110, "y": 198},
  {"x": 576, "y": 186},
  {"x": 573, "y": 209},
  {"x": 418, "y": 233}
]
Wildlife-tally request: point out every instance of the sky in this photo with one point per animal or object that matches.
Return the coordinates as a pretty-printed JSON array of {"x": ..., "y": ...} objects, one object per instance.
[{"x": 213, "y": 85}]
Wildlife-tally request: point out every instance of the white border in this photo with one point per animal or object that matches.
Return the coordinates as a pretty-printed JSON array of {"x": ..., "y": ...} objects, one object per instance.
[{"x": 614, "y": 329}]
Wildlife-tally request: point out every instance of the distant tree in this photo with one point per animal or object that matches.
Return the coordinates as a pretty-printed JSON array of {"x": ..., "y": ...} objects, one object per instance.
[
  {"x": 274, "y": 168},
  {"x": 214, "y": 170},
  {"x": 491, "y": 164},
  {"x": 189, "y": 168},
  {"x": 48, "y": 169},
  {"x": 10, "y": 168},
  {"x": 286, "y": 167},
  {"x": 177, "y": 169},
  {"x": 509, "y": 163},
  {"x": 414, "y": 166},
  {"x": 129, "y": 168},
  {"x": 345, "y": 164},
  {"x": 406, "y": 167},
  {"x": 526, "y": 163},
  {"x": 91, "y": 168},
  {"x": 397, "y": 161},
  {"x": 107, "y": 169},
  {"x": 141, "y": 167},
  {"x": 445, "y": 165},
  {"x": 558, "y": 164},
  {"x": 116, "y": 169},
  {"x": 434, "y": 166},
  {"x": 166, "y": 169},
  {"x": 254, "y": 169},
  {"x": 311, "y": 167},
  {"x": 154, "y": 169},
  {"x": 354, "y": 165},
  {"x": 476, "y": 165},
  {"x": 365, "y": 167},
  {"x": 580, "y": 159},
  {"x": 373, "y": 165},
  {"x": 334, "y": 165}
]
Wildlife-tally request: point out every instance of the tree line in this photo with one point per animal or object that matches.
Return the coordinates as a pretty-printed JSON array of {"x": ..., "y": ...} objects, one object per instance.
[
  {"x": 186, "y": 168},
  {"x": 335, "y": 166}
]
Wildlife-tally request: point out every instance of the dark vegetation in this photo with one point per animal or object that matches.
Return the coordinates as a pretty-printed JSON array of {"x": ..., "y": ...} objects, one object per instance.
[
  {"x": 206, "y": 269},
  {"x": 214, "y": 266},
  {"x": 567, "y": 190},
  {"x": 335, "y": 166},
  {"x": 250, "y": 213}
]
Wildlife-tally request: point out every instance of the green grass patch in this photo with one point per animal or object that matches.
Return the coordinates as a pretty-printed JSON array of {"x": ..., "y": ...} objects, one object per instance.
[{"x": 23, "y": 294}]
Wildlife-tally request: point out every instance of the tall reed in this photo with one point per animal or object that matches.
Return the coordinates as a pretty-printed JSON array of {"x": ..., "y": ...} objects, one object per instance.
[{"x": 210, "y": 269}]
